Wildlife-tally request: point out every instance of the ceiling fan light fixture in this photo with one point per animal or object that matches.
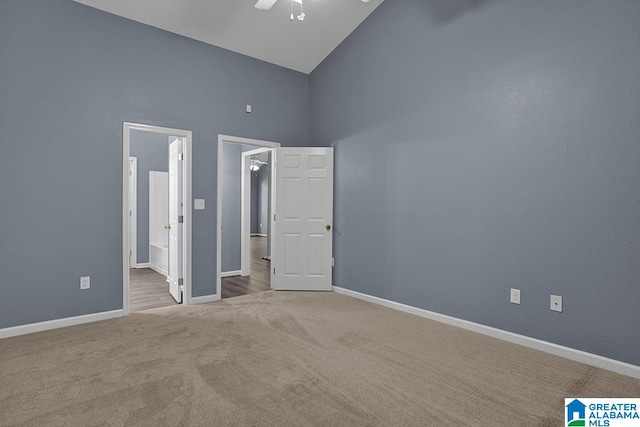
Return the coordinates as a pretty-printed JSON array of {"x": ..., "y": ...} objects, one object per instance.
[
  {"x": 256, "y": 164},
  {"x": 302, "y": 15}
]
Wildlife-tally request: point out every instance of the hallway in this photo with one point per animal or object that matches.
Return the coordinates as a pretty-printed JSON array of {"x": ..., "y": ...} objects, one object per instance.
[{"x": 258, "y": 281}]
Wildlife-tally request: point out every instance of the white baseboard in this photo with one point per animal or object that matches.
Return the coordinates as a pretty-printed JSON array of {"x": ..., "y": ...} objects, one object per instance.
[
  {"x": 205, "y": 299},
  {"x": 158, "y": 269},
  {"x": 231, "y": 273},
  {"x": 58, "y": 323},
  {"x": 142, "y": 265},
  {"x": 258, "y": 235},
  {"x": 536, "y": 344}
]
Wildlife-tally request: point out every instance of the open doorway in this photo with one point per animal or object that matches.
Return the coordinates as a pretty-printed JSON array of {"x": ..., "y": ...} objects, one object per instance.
[
  {"x": 245, "y": 202},
  {"x": 300, "y": 223},
  {"x": 156, "y": 217}
]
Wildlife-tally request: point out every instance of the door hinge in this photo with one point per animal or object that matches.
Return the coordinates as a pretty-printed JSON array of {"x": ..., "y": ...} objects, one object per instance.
[
  {"x": 181, "y": 283},
  {"x": 181, "y": 156},
  {"x": 274, "y": 271},
  {"x": 181, "y": 219},
  {"x": 274, "y": 217}
]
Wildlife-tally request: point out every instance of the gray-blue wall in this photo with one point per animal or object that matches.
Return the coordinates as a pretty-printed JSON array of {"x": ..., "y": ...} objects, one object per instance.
[
  {"x": 479, "y": 149},
  {"x": 231, "y": 206},
  {"x": 152, "y": 152},
  {"x": 70, "y": 76}
]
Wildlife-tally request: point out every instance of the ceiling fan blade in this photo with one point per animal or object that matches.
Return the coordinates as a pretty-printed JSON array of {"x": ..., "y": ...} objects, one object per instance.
[{"x": 265, "y": 4}]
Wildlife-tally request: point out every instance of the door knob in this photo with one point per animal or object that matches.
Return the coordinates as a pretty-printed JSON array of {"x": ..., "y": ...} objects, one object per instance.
[{"x": 328, "y": 227}]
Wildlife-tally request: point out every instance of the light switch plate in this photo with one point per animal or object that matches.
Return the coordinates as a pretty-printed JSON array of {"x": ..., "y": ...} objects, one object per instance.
[
  {"x": 85, "y": 282},
  {"x": 198, "y": 204},
  {"x": 556, "y": 303}
]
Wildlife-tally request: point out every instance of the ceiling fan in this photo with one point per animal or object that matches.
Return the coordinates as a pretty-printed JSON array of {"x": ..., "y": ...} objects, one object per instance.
[
  {"x": 268, "y": 4},
  {"x": 256, "y": 164}
]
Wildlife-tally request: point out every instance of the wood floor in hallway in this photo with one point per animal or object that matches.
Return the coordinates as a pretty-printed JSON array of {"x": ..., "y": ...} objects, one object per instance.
[
  {"x": 258, "y": 281},
  {"x": 148, "y": 289}
]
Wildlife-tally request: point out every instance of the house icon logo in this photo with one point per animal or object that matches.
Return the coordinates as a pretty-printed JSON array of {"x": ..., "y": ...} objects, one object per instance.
[{"x": 576, "y": 413}]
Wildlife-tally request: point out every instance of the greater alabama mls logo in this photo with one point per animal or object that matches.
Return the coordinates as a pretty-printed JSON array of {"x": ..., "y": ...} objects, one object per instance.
[{"x": 602, "y": 412}]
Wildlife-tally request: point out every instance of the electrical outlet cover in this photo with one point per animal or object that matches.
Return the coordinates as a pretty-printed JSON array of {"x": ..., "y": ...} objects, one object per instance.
[
  {"x": 515, "y": 296},
  {"x": 85, "y": 282}
]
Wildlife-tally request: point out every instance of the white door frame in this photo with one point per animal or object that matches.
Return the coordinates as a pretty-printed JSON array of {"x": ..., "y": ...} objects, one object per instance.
[
  {"x": 245, "y": 210},
  {"x": 186, "y": 198},
  {"x": 244, "y": 227},
  {"x": 133, "y": 212}
]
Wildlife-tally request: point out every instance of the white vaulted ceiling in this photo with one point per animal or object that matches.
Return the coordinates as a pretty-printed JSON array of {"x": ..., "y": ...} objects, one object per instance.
[{"x": 236, "y": 25}]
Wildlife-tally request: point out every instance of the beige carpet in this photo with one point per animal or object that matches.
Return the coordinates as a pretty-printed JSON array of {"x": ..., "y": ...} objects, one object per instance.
[{"x": 286, "y": 359}]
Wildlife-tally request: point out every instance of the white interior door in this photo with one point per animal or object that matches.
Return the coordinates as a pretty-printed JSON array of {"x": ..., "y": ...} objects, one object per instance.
[
  {"x": 175, "y": 223},
  {"x": 303, "y": 234}
]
